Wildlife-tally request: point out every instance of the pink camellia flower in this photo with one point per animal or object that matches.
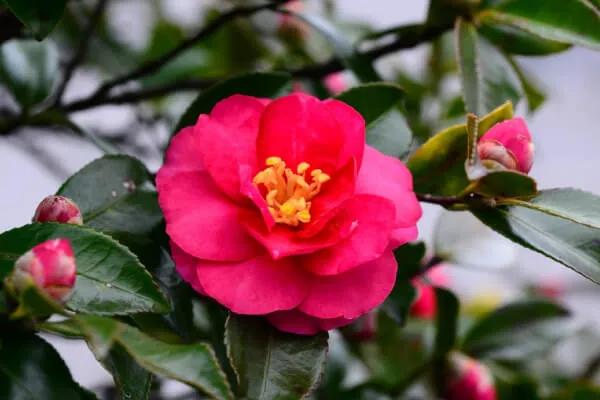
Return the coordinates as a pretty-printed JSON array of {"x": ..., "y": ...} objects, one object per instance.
[
  {"x": 50, "y": 266},
  {"x": 58, "y": 209},
  {"x": 425, "y": 305},
  {"x": 278, "y": 208},
  {"x": 468, "y": 380},
  {"x": 509, "y": 144}
]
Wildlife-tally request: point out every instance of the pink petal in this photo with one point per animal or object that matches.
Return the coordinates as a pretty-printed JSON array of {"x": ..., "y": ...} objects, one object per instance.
[
  {"x": 387, "y": 177},
  {"x": 283, "y": 241},
  {"x": 186, "y": 267},
  {"x": 370, "y": 219},
  {"x": 300, "y": 128},
  {"x": 183, "y": 154},
  {"x": 201, "y": 220},
  {"x": 297, "y": 322},
  {"x": 256, "y": 286},
  {"x": 354, "y": 292},
  {"x": 400, "y": 236},
  {"x": 227, "y": 140},
  {"x": 425, "y": 305},
  {"x": 353, "y": 128}
]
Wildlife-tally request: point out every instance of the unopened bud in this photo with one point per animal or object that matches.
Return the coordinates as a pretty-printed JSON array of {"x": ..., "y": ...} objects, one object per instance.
[
  {"x": 425, "y": 304},
  {"x": 551, "y": 289},
  {"x": 335, "y": 83},
  {"x": 50, "y": 266},
  {"x": 58, "y": 209},
  {"x": 468, "y": 379},
  {"x": 509, "y": 144}
]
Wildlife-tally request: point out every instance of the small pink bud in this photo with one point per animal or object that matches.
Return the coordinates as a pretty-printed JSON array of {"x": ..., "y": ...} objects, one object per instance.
[
  {"x": 551, "y": 289},
  {"x": 58, "y": 209},
  {"x": 425, "y": 305},
  {"x": 335, "y": 83},
  {"x": 509, "y": 144},
  {"x": 468, "y": 380},
  {"x": 363, "y": 329},
  {"x": 50, "y": 266}
]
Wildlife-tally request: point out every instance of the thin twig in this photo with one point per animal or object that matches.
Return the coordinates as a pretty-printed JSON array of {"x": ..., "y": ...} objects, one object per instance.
[
  {"x": 81, "y": 51},
  {"x": 440, "y": 200},
  {"x": 156, "y": 64}
]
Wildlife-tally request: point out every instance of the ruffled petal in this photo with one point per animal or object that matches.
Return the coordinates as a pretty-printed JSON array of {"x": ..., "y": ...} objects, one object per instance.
[
  {"x": 387, "y": 177},
  {"x": 400, "y": 236},
  {"x": 297, "y": 322},
  {"x": 300, "y": 128},
  {"x": 227, "y": 140},
  {"x": 186, "y": 267},
  {"x": 201, "y": 220},
  {"x": 354, "y": 292},
  {"x": 183, "y": 154},
  {"x": 370, "y": 219},
  {"x": 352, "y": 125},
  {"x": 256, "y": 286}
]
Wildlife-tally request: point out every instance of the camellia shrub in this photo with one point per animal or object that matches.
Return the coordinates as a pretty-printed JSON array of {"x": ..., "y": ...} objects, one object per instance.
[{"x": 271, "y": 249}]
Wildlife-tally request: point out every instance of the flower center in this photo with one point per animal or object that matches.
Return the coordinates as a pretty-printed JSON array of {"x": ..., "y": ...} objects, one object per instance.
[{"x": 288, "y": 193}]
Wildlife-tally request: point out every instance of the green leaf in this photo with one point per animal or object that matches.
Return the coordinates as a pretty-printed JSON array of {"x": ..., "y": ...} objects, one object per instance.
[
  {"x": 39, "y": 16},
  {"x": 193, "y": 364},
  {"x": 506, "y": 184},
  {"x": 462, "y": 239},
  {"x": 271, "y": 85},
  {"x": 110, "y": 279},
  {"x": 446, "y": 322},
  {"x": 34, "y": 303},
  {"x": 577, "y": 391},
  {"x": 522, "y": 388},
  {"x": 567, "y": 21},
  {"x": 409, "y": 257},
  {"x": 515, "y": 41},
  {"x": 271, "y": 364},
  {"x": 488, "y": 79},
  {"x": 534, "y": 90},
  {"x": 571, "y": 204},
  {"x": 511, "y": 325},
  {"x": 28, "y": 69},
  {"x": 132, "y": 381},
  {"x": 378, "y": 103},
  {"x": 31, "y": 369},
  {"x": 398, "y": 303},
  {"x": 115, "y": 193}
]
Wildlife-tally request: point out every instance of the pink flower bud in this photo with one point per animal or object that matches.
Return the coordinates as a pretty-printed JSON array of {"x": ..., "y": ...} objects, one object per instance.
[
  {"x": 335, "y": 83},
  {"x": 468, "y": 380},
  {"x": 509, "y": 144},
  {"x": 552, "y": 289},
  {"x": 58, "y": 209},
  {"x": 50, "y": 266},
  {"x": 425, "y": 305}
]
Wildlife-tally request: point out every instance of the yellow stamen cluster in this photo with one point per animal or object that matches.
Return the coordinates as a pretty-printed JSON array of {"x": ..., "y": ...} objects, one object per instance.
[{"x": 288, "y": 193}]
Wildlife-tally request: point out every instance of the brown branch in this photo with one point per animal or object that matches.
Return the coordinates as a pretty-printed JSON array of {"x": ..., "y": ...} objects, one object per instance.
[
  {"x": 440, "y": 200},
  {"x": 81, "y": 51}
]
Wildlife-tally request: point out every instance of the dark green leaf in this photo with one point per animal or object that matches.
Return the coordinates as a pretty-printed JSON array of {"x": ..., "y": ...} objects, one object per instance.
[
  {"x": 509, "y": 325},
  {"x": 408, "y": 257},
  {"x": 506, "y": 184},
  {"x": 271, "y": 364},
  {"x": 193, "y": 364},
  {"x": 488, "y": 79},
  {"x": 110, "y": 279},
  {"x": 39, "y": 16},
  {"x": 523, "y": 389},
  {"x": 582, "y": 391},
  {"x": 132, "y": 381},
  {"x": 34, "y": 303},
  {"x": 115, "y": 193},
  {"x": 31, "y": 369},
  {"x": 28, "y": 69},
  {"x": 446, "y": 322},
  {"x": 567, "y": 21},
  {"x": 515, "y": 41},
  {"x": 270, "y": 85},
  {"x": 399, "y": 301},
  {"x": 378, "y": 103}
]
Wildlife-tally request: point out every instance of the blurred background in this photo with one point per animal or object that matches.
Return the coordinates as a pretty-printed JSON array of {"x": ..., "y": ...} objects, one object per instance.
[{"x": 34, "y": 162}]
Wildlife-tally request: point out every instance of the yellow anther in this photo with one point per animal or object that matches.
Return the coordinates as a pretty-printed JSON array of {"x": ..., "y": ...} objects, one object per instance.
[
  {"x": 302, "y": 167},
  {"x": 273, "y": 161},
  {"x": 288, "y": 194}
]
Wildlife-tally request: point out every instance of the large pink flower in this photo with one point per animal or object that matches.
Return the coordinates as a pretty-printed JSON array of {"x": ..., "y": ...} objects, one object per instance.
[{"x": 278, "y": 208}]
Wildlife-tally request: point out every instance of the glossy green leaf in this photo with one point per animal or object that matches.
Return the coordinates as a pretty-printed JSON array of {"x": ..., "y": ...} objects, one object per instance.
[
  {"x": 462, "y": 239},
  {"x": 506, "y": 184},
  {"x": 110, "y": 279},
  {"x": 193, "y": 364},
  {"x": 515, "y": 41},
  {"x": 572, "y": 204},
  {"x": 115, "y": 193},
  {"x": 132, "y": 381},
  {"x": 271, "y": 85},
  {"x": 39, "y": 16},
  {"x": 446, "y": 322},
  {"x": 568, "y": 21},
  {"x": 575, "y": 245},
  {"x": 487, "y": 77},
  {"x": 28, "y": 69},
  {"x": 31, "y": 369},
  {"x": 409, "y": 257},
  {"x": 271, "y": 364},
  {"x": 379, "y": 103},
  {"x": 517, "y": 329}
]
